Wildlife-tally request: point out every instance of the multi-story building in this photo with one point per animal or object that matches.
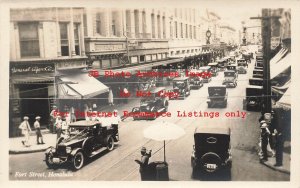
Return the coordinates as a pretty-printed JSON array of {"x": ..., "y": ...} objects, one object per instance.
[
  {"x": 47, "y": 62},
  {"x": 228, "y": 34}
]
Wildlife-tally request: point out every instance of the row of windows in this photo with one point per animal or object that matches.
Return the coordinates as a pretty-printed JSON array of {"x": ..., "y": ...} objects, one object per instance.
[
  {"x": 30, "y": 44},
  {"x": 190, "y": 31}
]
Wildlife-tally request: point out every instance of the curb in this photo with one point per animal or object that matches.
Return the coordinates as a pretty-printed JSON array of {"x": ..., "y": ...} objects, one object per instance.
[
  {"x": 27, "y": 151},
  {"x": 276, "y": 168}
]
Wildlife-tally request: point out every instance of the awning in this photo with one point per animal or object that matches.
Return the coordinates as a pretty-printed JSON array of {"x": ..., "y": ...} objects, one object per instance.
[
  {"x": 81, "y": 85},
  {"x": 32, "y": 79},
  {"x": 141, "y": 67},
  {"x": 281, "y": 89},
  {"x": 278, "y": 56},
  {"x": 285, "y": 100},
  {"x": 280, "y": 66}
]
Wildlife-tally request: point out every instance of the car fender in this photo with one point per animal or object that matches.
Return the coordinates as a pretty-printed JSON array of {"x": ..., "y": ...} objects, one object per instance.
[
  {"x": 74, "y": 151},
  {"x": 50, "y": 149}
]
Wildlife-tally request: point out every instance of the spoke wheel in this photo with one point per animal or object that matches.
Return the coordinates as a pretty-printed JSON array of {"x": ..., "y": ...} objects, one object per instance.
[{"x": 78, "y": 160}]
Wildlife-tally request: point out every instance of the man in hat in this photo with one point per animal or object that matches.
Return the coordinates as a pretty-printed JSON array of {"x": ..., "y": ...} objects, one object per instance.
[
  {"x": 264, "y": 135},
  {"x": 58, "y": 125},
  {"x": 25, "y": 128},
  {"x": 37, "y": 127}
]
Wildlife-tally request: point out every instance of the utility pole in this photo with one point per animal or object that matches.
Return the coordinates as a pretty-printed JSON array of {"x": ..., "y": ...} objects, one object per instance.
[{"x": 266, "y": 41}]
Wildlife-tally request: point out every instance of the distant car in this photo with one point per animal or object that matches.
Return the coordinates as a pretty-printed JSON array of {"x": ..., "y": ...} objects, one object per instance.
[
  {"x": 153, "y": 103},
  {"x": 230, "y": 78},
  {"x": 87, "y": 139},
  {"x": 207, "y": 73},
  {"x": 181, "y": 85},
  {"x": 196, "y": 82},
  {"x": 242, "y": 66},
  {"x": 214, "y": 68},
  {"x": 212, "y": 150},
  {"x": 256, "y": 81},
  {"x": 217, "y": 95},
  {"x": 253, "y": 100}
]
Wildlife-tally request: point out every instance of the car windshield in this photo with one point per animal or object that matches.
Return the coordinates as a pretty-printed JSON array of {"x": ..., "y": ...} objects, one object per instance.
[
  {"x": 179, "y": 84},
  {"x": 229, "y": 74},
  {"x": 76, "y": 133}
]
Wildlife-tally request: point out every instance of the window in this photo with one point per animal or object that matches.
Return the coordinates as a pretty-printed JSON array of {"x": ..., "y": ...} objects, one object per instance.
[
  {"x": 181, "y": 29},
  {"x": 98, "y": 24},
  {"x": 194, "y": 32},
  {"x": 153, "y": 25},
  {"x": 64, "y": 39},
  {"x": 164, "y": 27},
  {"x": 142, "y": 58},
  {"x": 29, "y": 40},
  {"x": 136, "y": 22},
  {"x": 76, "y": 39},
  {"x": 171, "y": 30},
  {"x": 113, "y": 28},
  {"x": 176, "y": 30},
  {"x": 158, "y": 27},
  {"x": 186, "y": 31},
  {"x": 191, "y": 31},
  {"x": 144, "y": 21}
]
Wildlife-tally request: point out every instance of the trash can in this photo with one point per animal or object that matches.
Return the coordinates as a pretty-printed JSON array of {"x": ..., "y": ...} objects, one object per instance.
[{"x": 162, "y": 172}]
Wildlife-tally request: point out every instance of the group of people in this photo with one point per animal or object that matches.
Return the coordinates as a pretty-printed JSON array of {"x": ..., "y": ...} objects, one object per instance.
[
  {"x": 26, "y": 129},
  {"x": 271, "y": 139}
]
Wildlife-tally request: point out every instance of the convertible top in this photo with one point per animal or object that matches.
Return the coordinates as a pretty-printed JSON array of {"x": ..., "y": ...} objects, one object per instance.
[
  {"x": 180, "y": 78},
  {"x": 213, "y": 129},
  {"x": 84, "y": 123}
]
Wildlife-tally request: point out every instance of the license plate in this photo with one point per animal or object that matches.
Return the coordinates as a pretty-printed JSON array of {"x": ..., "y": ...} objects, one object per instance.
[
  {"x": 56, "y": 160},
  {"x": 211, "y": 166}
]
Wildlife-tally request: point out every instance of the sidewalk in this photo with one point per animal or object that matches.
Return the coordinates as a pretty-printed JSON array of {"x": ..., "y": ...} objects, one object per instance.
[{"x": 285, "y": 168}]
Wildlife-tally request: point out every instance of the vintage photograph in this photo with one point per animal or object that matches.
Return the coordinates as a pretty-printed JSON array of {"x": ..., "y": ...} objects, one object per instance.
[{"x": 170, "y": 93}]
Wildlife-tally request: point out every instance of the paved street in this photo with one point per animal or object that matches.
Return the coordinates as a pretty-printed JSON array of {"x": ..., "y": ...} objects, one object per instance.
[{"x": 119, "y": 164}]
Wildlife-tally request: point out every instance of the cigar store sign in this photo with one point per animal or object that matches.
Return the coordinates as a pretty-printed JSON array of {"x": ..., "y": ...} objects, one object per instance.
[{"x": 32, "y": 69}]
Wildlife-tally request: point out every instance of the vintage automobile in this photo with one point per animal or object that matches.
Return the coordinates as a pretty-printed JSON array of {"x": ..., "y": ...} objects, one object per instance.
[
  {"x": 86, "y": 139},
  {"x": 214, "y": 68},
  {"x": 247, "y": 56},
  {"x": 258, "y": 71},
  {"x": 155, "y": 102},
  {"x": 242, "y": 64},
  {"x": 222, "y": 63},
  {"x": 207, "y": 73},
  {"x": 230, "y": 78},
  {"x": 212, "y": 150},
  {"x": 181, "y": 85},
  {"x": 256, "y": 81},
  {"x": 196, "y": 82},
  {"x": 217, "y": 95},
  {"x": 252, "y": 102}
]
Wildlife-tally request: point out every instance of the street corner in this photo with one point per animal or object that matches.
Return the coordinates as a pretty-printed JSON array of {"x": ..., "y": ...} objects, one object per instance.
[{"x": 271, "y": 163}]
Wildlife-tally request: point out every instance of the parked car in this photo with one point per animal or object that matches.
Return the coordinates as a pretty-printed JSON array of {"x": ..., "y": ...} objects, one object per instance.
[
  {"x": 253, "y": 100},
  {"x": 181, "y": 85},
  {"x": 87, "y": 139},
  {"x": 217, "y": 95},
  {"x": 258, "y": 73},
  {"x": 212, "y": 150},
  {"x": 153, "y": 103},
  {"x": 230, "y": 78},
  {"x": 256, "y": 81}
]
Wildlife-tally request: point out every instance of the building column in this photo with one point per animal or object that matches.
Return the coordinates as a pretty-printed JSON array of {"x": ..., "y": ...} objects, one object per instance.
[
  {"x": 58, "y": 34},
  {"x": 119, "y": 23},
  {"x": 82, "y": 45},
  {"x": 71, "y": 31},
  {"x": 89, "y": 22}
]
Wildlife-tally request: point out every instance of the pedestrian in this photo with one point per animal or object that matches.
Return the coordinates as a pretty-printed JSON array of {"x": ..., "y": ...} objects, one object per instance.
[
  {"x": 89, "y": 115},
  {"x": 53, "y": 117},
  {"x": 110, "y": 97},
  {"x": 25, "y": 128},
  {"x": 72, "y": 114},
  {"x": 58, "y": 125},
  {"x": 125, "y": 92},
  {"x": 37, "y": 127},
  {"x": 265, "y": 132},
  {"x": 278, "y": 148}
]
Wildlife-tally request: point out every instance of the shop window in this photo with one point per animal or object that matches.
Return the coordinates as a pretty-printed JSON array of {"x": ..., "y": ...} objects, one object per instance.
[
  {"x": 105, "y": 63},
  {"x": 64, "y": 39},
  {"x": 29, "y": 39},
  {"x": 96, "y": 64},
  {"x": 142, "y": 58},
  {"x": 76, "y": 39},
  {"x": 114, "y": 62}
]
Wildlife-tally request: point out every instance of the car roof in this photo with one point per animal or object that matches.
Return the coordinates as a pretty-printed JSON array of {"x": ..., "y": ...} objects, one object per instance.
[
  {"x": 212, "y": 129},
  {"x": 206, "y": 67},
  {"x": 220, "y": 86},
  {"x": 229, "y": 71},
  {"x": 157, "y": 89},
  {"x": 84, "y": 123},
  {"x": 180, "y": 78}
]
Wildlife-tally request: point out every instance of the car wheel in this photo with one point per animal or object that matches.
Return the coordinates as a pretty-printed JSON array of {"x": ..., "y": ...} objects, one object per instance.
[
  {"x": 78, "y": 160},
  {"x": 110, "y": 143}
]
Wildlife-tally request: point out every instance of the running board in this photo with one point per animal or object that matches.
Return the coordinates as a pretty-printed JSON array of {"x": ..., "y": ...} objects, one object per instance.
[{"x": 98, "y": 151}]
